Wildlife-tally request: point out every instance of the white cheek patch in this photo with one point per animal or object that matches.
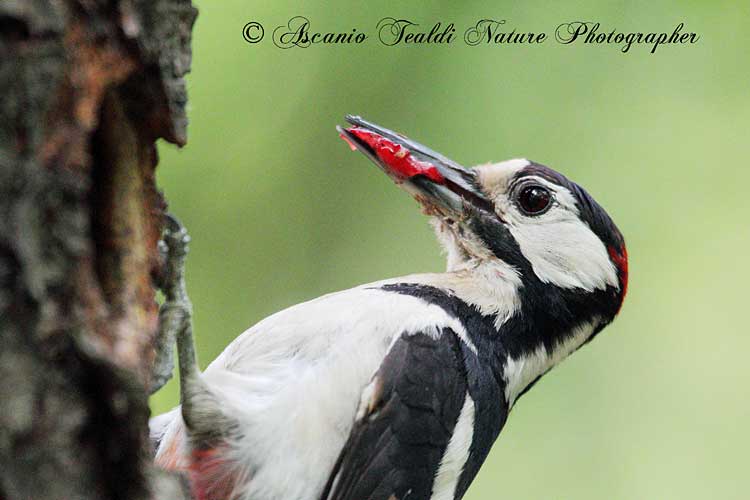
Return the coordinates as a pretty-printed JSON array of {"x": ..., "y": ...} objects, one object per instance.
[
  {"x": 561, "y": 248},
  {"x": 566, "y": 253}
]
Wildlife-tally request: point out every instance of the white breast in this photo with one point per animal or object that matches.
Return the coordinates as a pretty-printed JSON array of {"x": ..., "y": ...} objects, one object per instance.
[{"x": 295, "y": 380}]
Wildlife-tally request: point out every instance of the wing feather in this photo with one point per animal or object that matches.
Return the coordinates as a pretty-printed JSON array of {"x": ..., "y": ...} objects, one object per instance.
[{"x": 396, "y": 446}]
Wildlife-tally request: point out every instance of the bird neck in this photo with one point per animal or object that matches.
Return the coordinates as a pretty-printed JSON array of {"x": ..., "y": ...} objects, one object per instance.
[
  {"x": 525, "y": 326},
  {"x": 490, "y": 287}
]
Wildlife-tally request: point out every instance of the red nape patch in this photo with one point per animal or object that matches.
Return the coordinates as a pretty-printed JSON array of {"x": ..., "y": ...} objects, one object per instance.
[
  {"x": 395, "y": 156},
  {"x": 620, "y": 258},
  {"x": 212, "y": 476}
]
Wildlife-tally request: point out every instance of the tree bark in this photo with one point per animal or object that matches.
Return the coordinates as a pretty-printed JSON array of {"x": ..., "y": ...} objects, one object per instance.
[{"x": 87, "y": 87}]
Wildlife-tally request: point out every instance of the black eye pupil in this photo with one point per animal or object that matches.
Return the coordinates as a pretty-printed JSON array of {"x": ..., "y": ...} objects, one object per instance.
[{"x": 534, "y": 199}]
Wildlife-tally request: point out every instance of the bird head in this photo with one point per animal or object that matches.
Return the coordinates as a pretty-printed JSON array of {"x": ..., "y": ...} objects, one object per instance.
[{"x": 546, "y": 229}]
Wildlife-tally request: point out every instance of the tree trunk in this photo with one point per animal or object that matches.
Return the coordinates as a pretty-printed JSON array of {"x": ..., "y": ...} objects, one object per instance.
[{"x": 87, "y": 87}]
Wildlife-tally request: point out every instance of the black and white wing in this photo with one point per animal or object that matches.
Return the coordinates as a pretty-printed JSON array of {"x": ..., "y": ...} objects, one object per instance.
[{"x": 414, "y": 426}]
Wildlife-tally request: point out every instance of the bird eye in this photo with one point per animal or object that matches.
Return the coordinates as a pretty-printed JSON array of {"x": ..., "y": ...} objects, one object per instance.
[{"x": 534, "y": 199}]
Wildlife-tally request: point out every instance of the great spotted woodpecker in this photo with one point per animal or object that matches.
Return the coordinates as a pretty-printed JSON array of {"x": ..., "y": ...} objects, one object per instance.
[{"x": 396, "y": 390}]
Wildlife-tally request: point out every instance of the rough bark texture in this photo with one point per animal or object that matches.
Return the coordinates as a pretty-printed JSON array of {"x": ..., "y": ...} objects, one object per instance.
[{"x": 86, "y": 88}]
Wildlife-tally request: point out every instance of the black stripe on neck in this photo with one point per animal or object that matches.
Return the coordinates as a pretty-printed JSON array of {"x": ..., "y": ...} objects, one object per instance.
[{"x": 547, "y": 314}]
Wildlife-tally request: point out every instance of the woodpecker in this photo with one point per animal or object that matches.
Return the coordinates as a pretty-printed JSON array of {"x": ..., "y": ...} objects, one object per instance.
[{"x": 396, "y": 390}]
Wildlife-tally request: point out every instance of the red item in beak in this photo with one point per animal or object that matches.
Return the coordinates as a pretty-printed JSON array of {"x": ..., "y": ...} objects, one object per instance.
[{"x": 395, "y": 156}]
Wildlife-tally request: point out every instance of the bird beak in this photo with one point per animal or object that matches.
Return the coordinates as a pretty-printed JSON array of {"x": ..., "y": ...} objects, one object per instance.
[{"x": 442, "y": 186}]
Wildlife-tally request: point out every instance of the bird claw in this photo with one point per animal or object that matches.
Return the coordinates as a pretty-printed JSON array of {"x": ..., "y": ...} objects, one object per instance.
[
  {"x": 202, "y": 411},
  {"x": 173, "y": 247},
  {"x": 175, "y": 313}
]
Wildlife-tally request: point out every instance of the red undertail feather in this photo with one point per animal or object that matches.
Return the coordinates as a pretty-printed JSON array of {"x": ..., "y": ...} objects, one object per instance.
[{"x": 212, "y": 476}]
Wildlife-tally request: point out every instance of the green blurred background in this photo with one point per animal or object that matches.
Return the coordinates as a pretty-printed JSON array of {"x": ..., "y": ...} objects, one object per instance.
[{"x": 281, "y": 211}]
